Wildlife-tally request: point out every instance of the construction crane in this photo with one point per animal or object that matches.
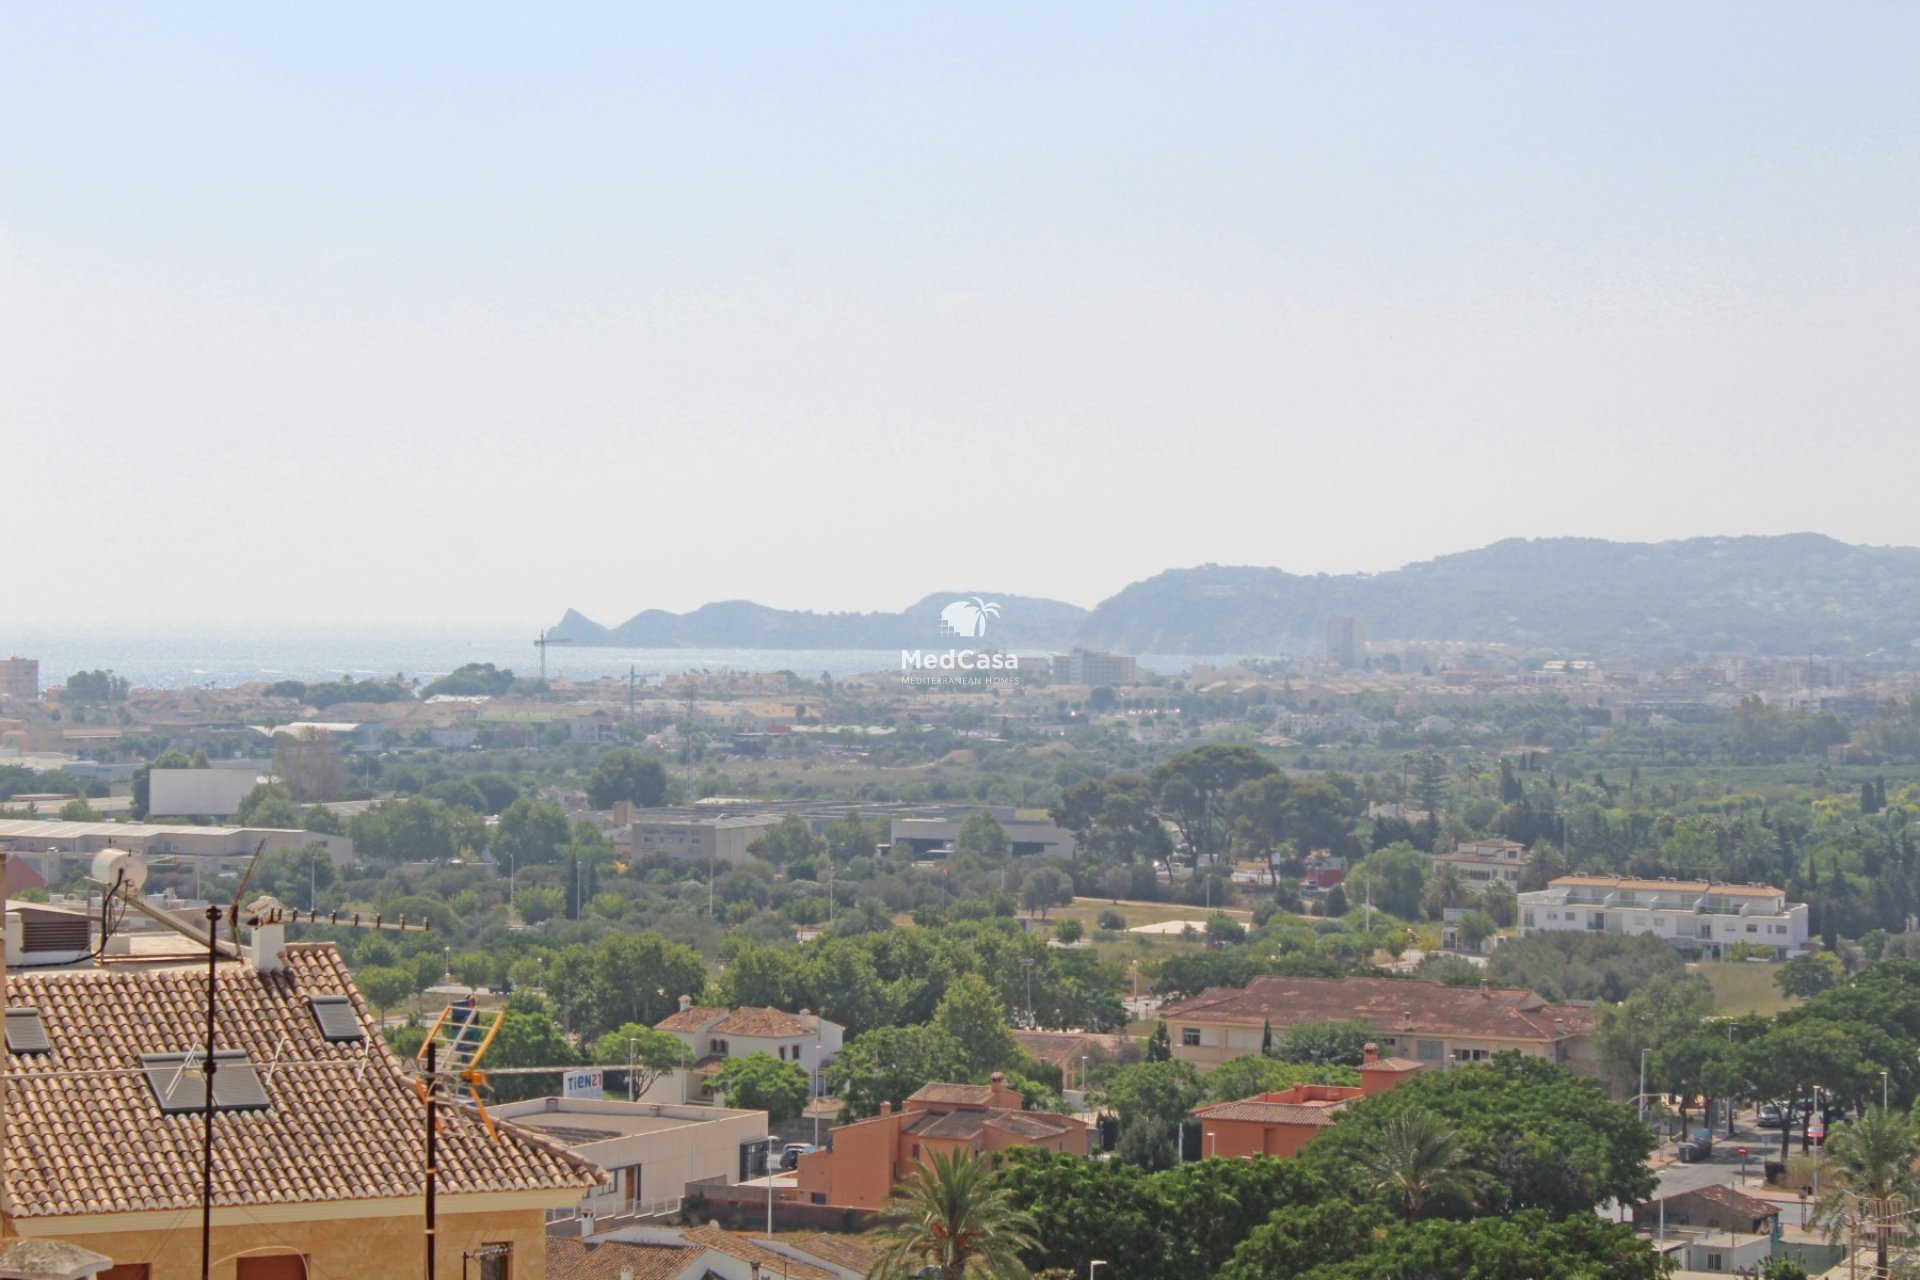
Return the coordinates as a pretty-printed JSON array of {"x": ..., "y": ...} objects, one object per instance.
[{"x": 541, "y": 644}]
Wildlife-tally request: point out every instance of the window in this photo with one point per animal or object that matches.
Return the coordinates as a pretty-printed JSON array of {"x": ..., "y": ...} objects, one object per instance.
[
  {"x": 26, "y": 1033},
  {"x": 783, "y": 1053},
  {"x": 1430, "y": 1050},
  {"x": 817, "y": 1197},
  {"x": 180, "y": 1087},
  {"x": 1190, "y": 1037},
  {"x": 916, "y": 1151},
  {"x": 496, "y": 1262},
  {"x": 1753, "y": 928},
  {"x": 338, "y": 1022}
]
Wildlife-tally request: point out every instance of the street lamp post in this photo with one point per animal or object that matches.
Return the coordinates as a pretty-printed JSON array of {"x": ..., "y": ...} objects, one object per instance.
[
  {"x": 1643, "y": 1086},
  {"x": 1883, "y": 1091},
  {"x": 1092, "y": 1263},
  {"x": 631, "y": 1043}
]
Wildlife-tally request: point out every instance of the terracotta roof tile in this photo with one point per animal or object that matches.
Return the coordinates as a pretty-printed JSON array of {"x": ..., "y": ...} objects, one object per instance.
[
  {"x": 841, "y": 1251},
  {"x": 766, "y": 1024},
  {"x": 86, "y": 1135},
  {"x": 570, "y": 1258},
  {"x": 965, "y": 1095},
  {"x": 1727, "y": 1198},
  {"x": 1030, "y": 1124},
  {"x": 694, "y": 1019},
  {"x": 1272, "y": 1112},
  {"x": 746, "y": 1250}
]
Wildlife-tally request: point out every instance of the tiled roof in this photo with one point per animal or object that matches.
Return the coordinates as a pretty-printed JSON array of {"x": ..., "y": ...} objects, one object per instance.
[
  {"x": 739, "y": 1246},
  {"x": 86, "y": 1135},
  {"x": 1063, "y": 1047},
  {"x": 965, "y": 1095},
  {"x": 694, "y": 1019},
  {"x": 765, "y": 1024},
  {"x": 948, "y": 1124},
  {"x": 841, "y": 1251},
  {"x": 1392, "y": 1006},
  {"x": 1271, "y": 1112},
  {"x": 1728, "y": 1198},
  {"x": 1391, "y": 1064},
  {"x": 971, "y": 1124},
  {"x": 571, "y": 1258},
  {"x": 1029, "y": 1124}
]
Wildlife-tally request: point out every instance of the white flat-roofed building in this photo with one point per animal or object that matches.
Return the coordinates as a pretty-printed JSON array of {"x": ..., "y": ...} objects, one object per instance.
[
  {"x": 691, "y": 836},
  {"x": 649, "y": 1151},
  {"x": 1694, "y": 915},
  {"x": 1482, "y": 862},
  {"x": 53, "y": 848}
]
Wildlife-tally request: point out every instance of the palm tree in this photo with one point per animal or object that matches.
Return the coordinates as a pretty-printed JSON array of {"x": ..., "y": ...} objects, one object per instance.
[
  {"x": 953, "y": 1222},
  {"x": 1415, "y": 1158},
  {"x": 1448, "y": 888},
  {"x": 1869, "y": 1176}
]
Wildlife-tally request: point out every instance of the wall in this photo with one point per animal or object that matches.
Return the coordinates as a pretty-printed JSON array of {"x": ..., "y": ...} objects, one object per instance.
[
  {"x": 705, "y": 1145},
  {"x": 860, "y": 1170},
  {"x": 740, "y": 1208},
  {"x": 213, "y": 793},
  {"x": 1237, "y": 1139},
  {"x": 337, "y": 1248}
]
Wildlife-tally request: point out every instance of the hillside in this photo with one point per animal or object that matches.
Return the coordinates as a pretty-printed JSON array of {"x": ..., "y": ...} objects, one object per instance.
[
  {"x": 1023, "y": 621},
  {"x": 1796, "y": 593}
]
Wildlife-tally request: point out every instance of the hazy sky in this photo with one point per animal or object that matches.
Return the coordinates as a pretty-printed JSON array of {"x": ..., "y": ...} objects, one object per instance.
[{"x": 472, "y": 311}]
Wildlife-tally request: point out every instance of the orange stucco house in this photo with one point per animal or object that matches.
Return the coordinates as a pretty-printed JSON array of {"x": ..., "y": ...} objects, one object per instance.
[
  {"x": 870, "y": 1156},
  {"x": 1279, "y": 1124}
]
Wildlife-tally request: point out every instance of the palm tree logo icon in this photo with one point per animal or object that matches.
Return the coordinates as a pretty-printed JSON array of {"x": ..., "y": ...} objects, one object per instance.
[{"x": 967, "y": 617}]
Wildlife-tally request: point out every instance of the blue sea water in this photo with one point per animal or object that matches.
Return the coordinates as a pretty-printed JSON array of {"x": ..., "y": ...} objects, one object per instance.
[{"x": 171, "y": 657}]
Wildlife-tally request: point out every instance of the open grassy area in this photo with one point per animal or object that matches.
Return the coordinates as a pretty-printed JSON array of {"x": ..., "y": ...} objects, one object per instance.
[
  {"x": 1088, "y": 911},
  {"x": 1740, "y": 988}
]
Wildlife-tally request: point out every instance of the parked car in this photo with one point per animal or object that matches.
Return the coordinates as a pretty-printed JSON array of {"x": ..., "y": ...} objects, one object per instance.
[
  {"x": 1771, "y": 1116},
  {"x": 791, "y": 1153}
]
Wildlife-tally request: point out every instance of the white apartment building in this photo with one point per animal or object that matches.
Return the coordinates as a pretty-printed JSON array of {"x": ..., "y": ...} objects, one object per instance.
[
  {"x": 1482, "y": 862},
  {"x": 1694, "y": 915}
]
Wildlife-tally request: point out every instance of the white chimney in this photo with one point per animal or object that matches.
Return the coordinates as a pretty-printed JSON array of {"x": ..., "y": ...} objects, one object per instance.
[
  {"x": 686, "y": 1003},
  {"x": 269, "y": 935}
]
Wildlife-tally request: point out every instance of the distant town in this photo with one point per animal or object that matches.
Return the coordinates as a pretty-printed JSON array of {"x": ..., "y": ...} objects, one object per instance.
[{"x": 705, "y": 973}]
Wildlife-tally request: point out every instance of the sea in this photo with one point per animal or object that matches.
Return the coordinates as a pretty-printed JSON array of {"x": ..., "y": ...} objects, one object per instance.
[{"x": 176, "y": 657}]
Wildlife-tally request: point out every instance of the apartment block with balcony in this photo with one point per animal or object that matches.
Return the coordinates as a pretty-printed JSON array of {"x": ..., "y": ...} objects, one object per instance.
[
  {"x": 1694, "y": 915},
  {"x": 1483, "y": 862}
]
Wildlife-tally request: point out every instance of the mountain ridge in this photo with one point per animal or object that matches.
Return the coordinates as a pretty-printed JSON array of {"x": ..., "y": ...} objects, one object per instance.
[{"x": 1786, "y": 593}]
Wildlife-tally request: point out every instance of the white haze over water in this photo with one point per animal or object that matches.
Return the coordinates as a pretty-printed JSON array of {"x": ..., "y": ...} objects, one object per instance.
[{"x": 174, "y": 658}]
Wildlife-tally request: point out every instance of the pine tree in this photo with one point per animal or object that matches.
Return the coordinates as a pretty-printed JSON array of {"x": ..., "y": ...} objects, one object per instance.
[
  {"x": 1160, "y": 1044},
  {"x": 1266, "y": 1039}
]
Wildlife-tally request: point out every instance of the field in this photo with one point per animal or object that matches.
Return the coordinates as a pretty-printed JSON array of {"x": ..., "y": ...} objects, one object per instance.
[{"x": 1740, "y": 988}]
